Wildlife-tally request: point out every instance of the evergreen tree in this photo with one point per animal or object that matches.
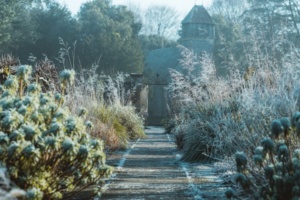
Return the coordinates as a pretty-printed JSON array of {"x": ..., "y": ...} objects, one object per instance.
[
  {"x": 51, "y": 22},
  {"x": 109, "y": 35}
]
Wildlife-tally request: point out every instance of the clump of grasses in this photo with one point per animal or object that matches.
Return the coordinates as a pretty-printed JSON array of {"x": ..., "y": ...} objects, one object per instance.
[
  {"x": 122, "y": 123},
  {"x": 108, "y": 105}
]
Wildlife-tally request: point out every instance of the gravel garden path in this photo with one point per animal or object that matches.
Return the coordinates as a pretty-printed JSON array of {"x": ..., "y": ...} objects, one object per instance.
[{"x": 151, "y": 169}]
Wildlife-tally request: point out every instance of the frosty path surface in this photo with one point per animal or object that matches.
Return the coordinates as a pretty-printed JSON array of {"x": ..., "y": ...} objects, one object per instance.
[{"x": 150, "y": 169}]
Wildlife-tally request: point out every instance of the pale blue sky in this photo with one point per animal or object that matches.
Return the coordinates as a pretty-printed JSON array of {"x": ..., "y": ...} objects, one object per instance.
[{"x": 182, "y": 6}]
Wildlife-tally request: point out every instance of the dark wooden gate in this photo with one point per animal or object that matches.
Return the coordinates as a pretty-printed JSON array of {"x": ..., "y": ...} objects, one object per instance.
[{"x": 157, "y": 104}]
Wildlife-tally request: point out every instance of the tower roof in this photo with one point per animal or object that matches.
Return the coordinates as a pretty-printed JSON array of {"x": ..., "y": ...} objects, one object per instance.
[{"x": 198, "y": 15}]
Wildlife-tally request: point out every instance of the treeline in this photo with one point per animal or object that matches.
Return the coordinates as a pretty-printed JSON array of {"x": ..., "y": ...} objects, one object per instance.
[
  {"x": 100, "y": 33},
  {"x": 268, "y": 27},
  {"x": 118, "y": 37}
]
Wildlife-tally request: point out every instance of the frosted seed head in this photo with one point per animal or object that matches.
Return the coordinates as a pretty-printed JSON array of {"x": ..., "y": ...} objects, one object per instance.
[
  {"x": 50, "y": 141},
  {"x": 286, "y": 123},
  {"x": 33, "y": 88},
  {"x": 268, "y": 145},
  {"x": 258, "y": 159},
  {"x": 24, "y": 71},
  {"x": 55, "y": 127},
  {"x": 276, "y": 128},
  {"x": 259, "y": 150},
  {"x": 83, "y": 151},
  {"x": 295, "y": 119},
  {"x": 88, "y": 124},
  {"x": 282, "y": 152},
  {"x": 57, "y": 97},
  {"x": 67, "y": 76},
  {"x": 241, "y": 161},
  {"x": 70, "y": 125}
]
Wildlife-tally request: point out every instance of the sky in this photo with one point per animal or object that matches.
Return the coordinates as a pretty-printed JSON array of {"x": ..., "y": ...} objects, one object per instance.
[{"x": 182, "y": 6}]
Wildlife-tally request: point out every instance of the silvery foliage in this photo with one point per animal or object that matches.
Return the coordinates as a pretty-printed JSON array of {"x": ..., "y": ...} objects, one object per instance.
[{"x": 218, "y": 110}]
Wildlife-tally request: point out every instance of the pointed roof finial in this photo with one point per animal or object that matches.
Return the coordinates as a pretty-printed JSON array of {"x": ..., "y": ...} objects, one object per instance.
[{"x": 197, "y": 2}]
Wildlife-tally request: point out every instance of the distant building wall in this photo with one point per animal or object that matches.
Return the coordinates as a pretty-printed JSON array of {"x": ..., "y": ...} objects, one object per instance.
[{"x": 197, "y": 34}]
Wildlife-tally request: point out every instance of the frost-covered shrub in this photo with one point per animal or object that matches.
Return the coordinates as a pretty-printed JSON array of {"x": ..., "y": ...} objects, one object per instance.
[
  {"x": 47, "y": 151},
  {"x": 277, "y": 164},
  {"x": 215, "y": 117}
]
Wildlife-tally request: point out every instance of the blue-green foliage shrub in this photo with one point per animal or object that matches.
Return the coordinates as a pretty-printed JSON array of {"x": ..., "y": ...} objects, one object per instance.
[
  {"x": 277, "y": 171},
  {"x": 47, "y": 151}
]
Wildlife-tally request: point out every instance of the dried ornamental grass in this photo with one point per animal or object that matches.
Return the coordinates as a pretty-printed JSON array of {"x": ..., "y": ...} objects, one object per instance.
[{"x": 116, "y": 120}]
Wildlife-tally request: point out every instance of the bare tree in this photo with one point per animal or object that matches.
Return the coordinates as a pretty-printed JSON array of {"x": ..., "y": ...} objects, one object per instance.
[
  {"x": 276, "y": 18},
  {"x": 293, "y": 7},
  {"x": 162, "y": 21},
  {"x": 230, "y": 9},
  {"x": 136, "y": 9}
]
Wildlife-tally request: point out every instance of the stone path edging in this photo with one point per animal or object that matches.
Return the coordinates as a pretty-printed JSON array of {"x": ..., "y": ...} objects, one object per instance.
[
  {"x": 120, "y": 166},
  {"x": 151, "y": 169}
]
